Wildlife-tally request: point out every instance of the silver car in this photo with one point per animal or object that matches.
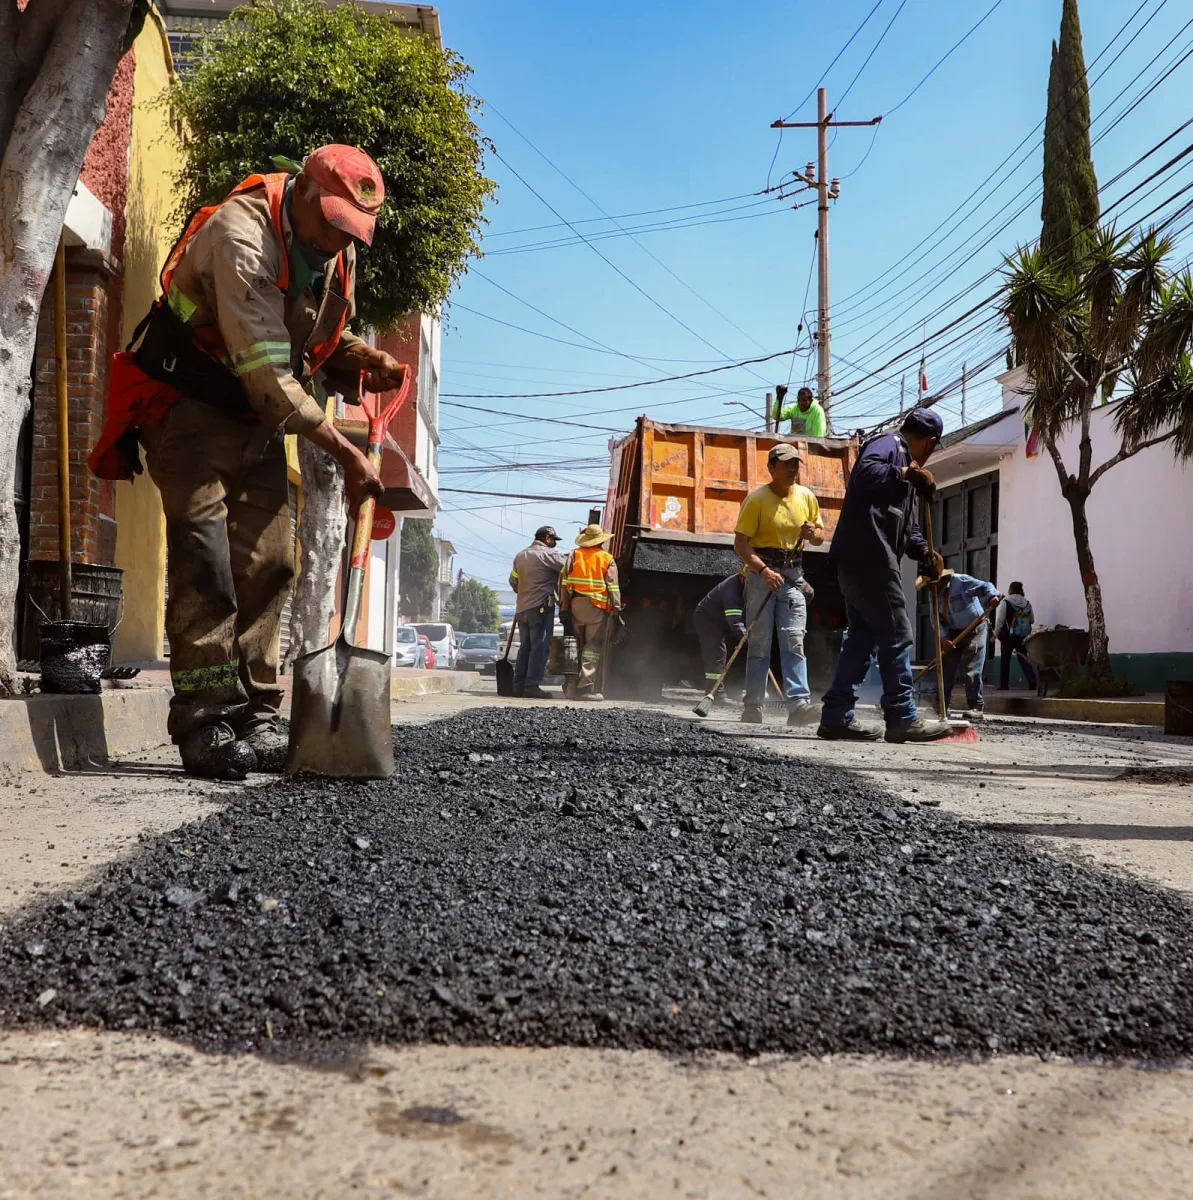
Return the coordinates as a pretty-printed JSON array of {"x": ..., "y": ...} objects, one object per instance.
[{"x": 408, "y": 651}]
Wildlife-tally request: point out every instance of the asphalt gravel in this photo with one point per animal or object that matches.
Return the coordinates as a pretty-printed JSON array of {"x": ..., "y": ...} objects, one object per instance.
[{"x": 615, "y": 877}]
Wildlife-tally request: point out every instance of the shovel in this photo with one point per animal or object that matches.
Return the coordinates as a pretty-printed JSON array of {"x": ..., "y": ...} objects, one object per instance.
[
  {"x": 503, "y": 668},
  {"x": 339, "y": 718}
]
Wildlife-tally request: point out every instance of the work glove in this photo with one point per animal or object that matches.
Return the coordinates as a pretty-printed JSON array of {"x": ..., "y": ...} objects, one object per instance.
[
  {"x": 921, "y": 479},
  {"x": 932, "y": 564},
  {"x": 808, "y": 590}
]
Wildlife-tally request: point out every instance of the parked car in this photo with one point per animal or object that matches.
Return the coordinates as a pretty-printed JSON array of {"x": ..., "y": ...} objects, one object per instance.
[
  {"x": 443, "y": 641},
  {"x": 428, "y": 651},
  {"x": 408, "y": 651},
  {"x": 476, "y": 650}
]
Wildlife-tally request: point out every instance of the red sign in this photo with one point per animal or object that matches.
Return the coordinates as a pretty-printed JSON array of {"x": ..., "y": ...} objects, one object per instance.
[{"x": 384, "y": 523}]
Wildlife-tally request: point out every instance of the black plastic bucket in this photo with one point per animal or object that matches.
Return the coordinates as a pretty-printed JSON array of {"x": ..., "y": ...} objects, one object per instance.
[{"x": 74, "y": 656}]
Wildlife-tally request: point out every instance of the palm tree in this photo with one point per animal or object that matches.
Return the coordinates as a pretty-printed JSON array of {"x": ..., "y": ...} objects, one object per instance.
[{"x": 1117, "y": 325}]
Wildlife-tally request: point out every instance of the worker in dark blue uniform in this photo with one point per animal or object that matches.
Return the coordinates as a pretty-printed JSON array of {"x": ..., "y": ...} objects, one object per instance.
[
  {"x": 720, "y": 622},
  {"x": 877, "y": 526}
]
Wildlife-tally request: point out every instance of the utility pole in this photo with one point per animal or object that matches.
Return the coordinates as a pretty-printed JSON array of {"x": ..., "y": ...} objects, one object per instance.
[
  {"x": 902, "y": 394},
  {"x": 827, "y": 189},
  {"x": 964, "y": 422}
]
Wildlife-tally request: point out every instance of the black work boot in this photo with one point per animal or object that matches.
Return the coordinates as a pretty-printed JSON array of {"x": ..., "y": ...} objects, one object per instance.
[
  {"x": 918, "y": 730},
  {"x": 213, "y": 751},
  {"x": 751, "y": 714},
  {"x": 851, "y": 731},
  {"x": 532, "y": 691},
  {"x": 270, "y": 745}
]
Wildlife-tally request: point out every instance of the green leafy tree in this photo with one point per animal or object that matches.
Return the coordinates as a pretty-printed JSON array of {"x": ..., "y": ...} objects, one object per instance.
[
  {"x": 418, "y": 574},
  {"x": 1070, "y": 209},
  {"x": 287, "y": 76},
  {"x": 1121, "y": 316},
  {"x": 473, "y": 607}
]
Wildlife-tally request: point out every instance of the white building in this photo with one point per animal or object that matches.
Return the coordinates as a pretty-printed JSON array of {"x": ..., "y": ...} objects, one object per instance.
[
  {"x": 1000, "y": 515},
  {"x": 445, "y": 580}
]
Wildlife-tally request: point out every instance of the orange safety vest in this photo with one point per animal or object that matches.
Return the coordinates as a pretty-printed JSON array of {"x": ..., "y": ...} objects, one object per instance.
[
  {"x": 584, "y": 575},
  {"x": 138, "y": 395}
]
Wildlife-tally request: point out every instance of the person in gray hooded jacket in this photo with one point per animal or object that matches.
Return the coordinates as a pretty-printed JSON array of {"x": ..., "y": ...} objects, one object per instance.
[{"x": 1012, "y": 624}]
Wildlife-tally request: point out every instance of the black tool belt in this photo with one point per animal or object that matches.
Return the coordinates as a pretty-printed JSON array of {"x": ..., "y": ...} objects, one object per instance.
[
  {"x": 780, "y": 560},
  {"x": 168, "y": 353}
]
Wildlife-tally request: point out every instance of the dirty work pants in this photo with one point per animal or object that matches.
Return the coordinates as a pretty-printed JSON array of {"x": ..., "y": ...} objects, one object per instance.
[
  {"x": 589, "y": 621},
  {"x": 231, "y": 563},
  {"x": 786, "y": 614},
  {"x": 1010, "y": 645},
  {"x": 535, "y": 627},
  {"x": 878, "y": 624},
  {"x": 967, "y": 658},
  {"x": 714, "y": 634}
]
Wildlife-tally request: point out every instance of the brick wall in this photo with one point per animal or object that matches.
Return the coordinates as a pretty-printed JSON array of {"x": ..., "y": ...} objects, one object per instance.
[{"x": 89, "y": 279}]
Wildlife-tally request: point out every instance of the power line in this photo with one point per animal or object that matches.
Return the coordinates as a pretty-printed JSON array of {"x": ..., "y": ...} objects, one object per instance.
[
  {"x": 881, "y": 39},
  {"x": 620, "y": 387},
  {"x": 524, "y": 496},
  {"x": 824, "y": 75},
  {"x": 945, "y": 57}
]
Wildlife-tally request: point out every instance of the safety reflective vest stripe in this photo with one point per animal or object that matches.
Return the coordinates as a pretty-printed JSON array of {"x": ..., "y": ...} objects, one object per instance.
[{"x": 584, "y": 575}]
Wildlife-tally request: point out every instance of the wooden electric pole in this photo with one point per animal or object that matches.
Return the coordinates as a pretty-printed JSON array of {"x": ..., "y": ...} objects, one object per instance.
[{"x": 827, "y": 189}]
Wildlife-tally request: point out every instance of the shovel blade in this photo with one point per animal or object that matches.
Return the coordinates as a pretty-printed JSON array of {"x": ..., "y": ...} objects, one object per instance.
[
  {"x": 339, "y": 718},
  {"x": 504, "y": 670}
]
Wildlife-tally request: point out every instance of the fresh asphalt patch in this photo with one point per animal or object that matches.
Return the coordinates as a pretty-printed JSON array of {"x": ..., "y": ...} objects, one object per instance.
[{"x": 555, "y": 876}]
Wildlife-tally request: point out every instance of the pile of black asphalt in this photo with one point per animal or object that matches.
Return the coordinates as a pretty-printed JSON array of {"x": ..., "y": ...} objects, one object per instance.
[{"x": 563, "y": 876}]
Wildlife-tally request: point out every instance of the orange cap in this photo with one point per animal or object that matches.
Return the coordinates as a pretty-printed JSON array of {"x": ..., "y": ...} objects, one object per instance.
[{"x": 352, "y": 189}]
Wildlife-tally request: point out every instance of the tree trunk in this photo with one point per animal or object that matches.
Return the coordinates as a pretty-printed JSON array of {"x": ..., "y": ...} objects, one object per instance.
[
  {"x": 51, "y": 131},
  {"x": 321, "y": 526},
  {"x": 1099, "y": 642}
]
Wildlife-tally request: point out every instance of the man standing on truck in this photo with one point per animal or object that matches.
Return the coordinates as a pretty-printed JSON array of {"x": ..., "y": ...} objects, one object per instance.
[
  {"x": 806, "y": 414},
  {"x": 535, "y": 579},
  {"x": 590, "y": 595},
  {"x": 774, "y": 523},
  {"x": 878, "y": 525}
]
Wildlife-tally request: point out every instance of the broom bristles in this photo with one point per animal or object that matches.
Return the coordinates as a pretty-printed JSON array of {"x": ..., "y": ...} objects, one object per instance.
[{"x": 704, "y": 707}]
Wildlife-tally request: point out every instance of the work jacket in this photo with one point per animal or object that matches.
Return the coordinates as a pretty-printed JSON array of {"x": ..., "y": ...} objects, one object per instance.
[
  {"x": 879, "y": 521},
  {"x": 726, "y": 604},
  {"x": 591, "y": 572},
  {"x": 232, "y": 327},
  {"x": 535, "y": 577}
]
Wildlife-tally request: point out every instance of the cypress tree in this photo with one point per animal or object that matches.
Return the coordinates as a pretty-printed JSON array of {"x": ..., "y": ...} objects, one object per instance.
[{"x": 1070, "y": 209}]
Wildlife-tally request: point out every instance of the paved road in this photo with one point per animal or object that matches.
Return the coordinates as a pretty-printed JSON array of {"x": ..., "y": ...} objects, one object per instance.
[{"x": 129, "y": 1115}]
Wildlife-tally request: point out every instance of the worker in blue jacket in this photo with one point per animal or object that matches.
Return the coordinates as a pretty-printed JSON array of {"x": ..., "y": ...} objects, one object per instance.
[{"x": 877, "y": 526}]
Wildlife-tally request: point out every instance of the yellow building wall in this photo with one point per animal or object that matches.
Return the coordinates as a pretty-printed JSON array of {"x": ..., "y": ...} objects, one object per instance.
[{"x": 140, "y": 525}]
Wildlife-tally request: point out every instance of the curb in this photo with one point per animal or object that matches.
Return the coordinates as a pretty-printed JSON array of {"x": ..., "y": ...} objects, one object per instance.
[
  {"x": 61, "y": 733},
  {"x": 1094, "y": 712}
]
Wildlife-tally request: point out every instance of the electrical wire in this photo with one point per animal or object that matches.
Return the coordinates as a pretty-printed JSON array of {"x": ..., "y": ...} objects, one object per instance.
[{"x": 881, "y": 39}]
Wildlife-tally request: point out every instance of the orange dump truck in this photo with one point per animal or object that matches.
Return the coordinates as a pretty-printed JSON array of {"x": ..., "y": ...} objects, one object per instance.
[{"x": 674, "y": 495}]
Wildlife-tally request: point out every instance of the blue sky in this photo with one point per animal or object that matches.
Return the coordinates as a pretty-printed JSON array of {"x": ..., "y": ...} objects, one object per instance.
[{"x": 656, "y": 105}]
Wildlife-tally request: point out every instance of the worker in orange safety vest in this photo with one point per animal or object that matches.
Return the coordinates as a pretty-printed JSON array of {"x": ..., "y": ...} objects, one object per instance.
[
  {"x": 590, "y": 597},
  {"x": 256, "y": 296}
]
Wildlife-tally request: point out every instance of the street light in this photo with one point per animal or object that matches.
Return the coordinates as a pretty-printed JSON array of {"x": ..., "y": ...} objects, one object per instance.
[{"x": 752, "y": 411}]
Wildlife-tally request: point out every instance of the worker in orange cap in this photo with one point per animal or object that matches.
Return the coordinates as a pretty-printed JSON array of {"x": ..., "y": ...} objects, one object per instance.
[{"x": 256, "y": 296}]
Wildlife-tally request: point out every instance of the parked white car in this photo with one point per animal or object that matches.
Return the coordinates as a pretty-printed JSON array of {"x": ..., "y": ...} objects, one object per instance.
[
  {"x": 408, "y": 651},
  {"x": 443, "y": 641}
]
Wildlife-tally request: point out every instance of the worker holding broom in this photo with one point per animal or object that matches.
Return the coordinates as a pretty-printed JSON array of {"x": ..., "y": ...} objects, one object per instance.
[
  {"x": 256, "y": 296},
  {"x": 877, "y": 526},
  {"x": 964, "y": 600},
  {"x": 773, "y": 524}
]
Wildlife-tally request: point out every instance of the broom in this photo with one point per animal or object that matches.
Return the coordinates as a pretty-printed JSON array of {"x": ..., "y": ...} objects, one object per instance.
[{"x": 705, "y": 706}]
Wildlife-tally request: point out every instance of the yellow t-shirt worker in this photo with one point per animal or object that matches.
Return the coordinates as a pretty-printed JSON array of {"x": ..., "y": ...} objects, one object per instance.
[{"x": 774, "y": 522}]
